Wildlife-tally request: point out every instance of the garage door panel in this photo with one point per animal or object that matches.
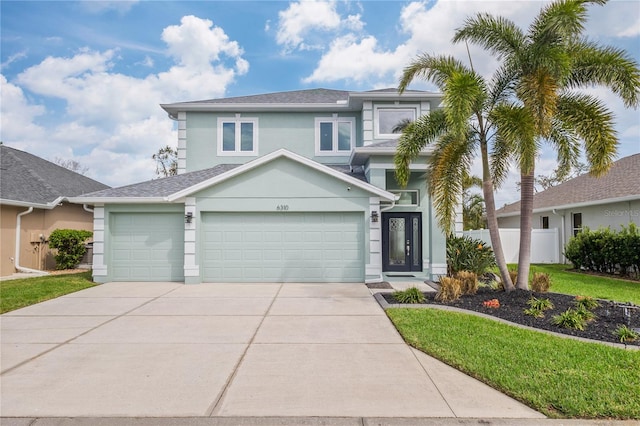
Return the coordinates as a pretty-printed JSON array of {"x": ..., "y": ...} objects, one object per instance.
[
  {"x": 276, "y": 247},
  {"x": 147, "y": 247}
]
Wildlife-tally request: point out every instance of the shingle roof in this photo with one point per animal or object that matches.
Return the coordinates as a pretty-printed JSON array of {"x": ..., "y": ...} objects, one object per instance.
[
  {"x": 26, "y": 178},
  {"x": 311, "y": 96},
  {"x": 163, "y": 187},
  {"x": 622, "y": 180},
  {"x": 170, "y": 185}
]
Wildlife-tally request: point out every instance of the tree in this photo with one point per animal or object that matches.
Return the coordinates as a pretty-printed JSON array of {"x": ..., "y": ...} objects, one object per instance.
[
  {"x": 166, "y": 161},
  {"x": 546, "y": 64},
  {"x": 556, "y": 177},
  {"x": 72, "y": 165},
  {"x": 456, "y": 132}
]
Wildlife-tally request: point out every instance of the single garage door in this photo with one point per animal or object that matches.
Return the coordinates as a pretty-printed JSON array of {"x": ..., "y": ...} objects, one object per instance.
[
  {"x": 283, "y": 247},
  {"x": 147, "y": 247}
]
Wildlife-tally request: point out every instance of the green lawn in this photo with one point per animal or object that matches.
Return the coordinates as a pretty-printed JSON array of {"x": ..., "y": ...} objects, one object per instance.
[
  {"x": 575, "y": 283},
  {"x": 556, "y": 376},
  {"x": 15, "y": 294}
]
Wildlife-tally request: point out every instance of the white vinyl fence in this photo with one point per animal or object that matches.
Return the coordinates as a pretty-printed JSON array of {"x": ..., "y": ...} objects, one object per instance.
[{"x": 545, "y": 244}]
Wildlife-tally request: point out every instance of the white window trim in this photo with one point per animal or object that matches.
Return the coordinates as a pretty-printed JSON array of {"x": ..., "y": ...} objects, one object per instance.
[
  {"x": 237, "y": 120},
  {"x": 397, "y": 106},
  {"x": 399, "y": 192},
  {"x": 335, "y": 120}
]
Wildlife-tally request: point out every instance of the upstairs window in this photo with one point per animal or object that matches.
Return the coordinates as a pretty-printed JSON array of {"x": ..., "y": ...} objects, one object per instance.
[
  {"x": 237, "y": 136},
  {"x": 390, "y": 119},
  {"x": 334, "y": 135}
]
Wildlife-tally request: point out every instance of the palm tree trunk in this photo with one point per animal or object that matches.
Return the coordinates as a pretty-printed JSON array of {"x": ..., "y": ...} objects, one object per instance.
[
  {"x": 492, "y": 220},
  {"x": 526, "y": 223}
]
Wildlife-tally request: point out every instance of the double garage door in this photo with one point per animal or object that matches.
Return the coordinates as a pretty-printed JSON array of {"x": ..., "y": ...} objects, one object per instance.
[{"x": 282, "y": 247}]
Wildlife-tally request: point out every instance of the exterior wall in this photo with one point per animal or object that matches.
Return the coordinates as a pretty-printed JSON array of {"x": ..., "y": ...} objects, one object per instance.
[
  {"x": 292, "y": 131},
  {"x": 282, "y": 182},
  {"x": 34, "y": 253},
  {"x": 611, "y": 215}
]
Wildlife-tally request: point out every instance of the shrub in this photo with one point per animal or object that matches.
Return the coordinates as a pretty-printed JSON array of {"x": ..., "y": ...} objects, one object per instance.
[
  {"x": 410, "y": 295},
  {"x": 586, "y": 302},
  {"x": 586, "y": 314},
  {"x": 540, "y": 282},
  {"x": 541, "y": 304},
  {"x": 534, "y": 312},
  {"x": 625, "y": 334},
  {"x": 449, "y": 289},
  {"x": 606, "y": 251},
  {"x": 468, "y": 254},
  {"x": 513, "y": 274},
  {"x": 468, "y": 282},
  {"x": 569, "y": 319},
  {"x": 69, "y": 244}
]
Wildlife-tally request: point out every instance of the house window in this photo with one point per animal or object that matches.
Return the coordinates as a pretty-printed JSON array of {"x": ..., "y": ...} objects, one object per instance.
[
  {"x": 334, "y": 135},
  {"x": 544, "y": 222},
  {"x": 577, "y": 223},
  {"x": 407, "y": 198},
  {"x": 237, "y": 136},
  {"x": 391, "y": 118}
]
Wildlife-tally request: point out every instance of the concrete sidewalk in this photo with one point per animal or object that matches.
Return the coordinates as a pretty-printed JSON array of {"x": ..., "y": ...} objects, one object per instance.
[{"x": 227, "y": 351}]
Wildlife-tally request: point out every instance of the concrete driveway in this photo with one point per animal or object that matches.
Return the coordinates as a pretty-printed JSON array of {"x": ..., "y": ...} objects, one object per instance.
[{"x": 174, "y": 350}]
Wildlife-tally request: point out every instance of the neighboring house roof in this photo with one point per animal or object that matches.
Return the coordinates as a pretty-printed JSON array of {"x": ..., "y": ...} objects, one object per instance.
[
  {"x": 174, "y": 188},
  {"x": 621, "y": 183},
  {"x": 30, "y": 181},
  {"x": 299, "y": 100}
]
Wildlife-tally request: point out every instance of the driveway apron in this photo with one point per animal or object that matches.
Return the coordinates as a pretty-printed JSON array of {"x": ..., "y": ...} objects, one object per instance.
[{"x": 174, "y": 350}]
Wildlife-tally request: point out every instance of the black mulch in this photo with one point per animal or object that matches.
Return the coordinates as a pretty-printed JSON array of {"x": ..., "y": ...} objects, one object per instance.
[{"x": 609, "y": 316}]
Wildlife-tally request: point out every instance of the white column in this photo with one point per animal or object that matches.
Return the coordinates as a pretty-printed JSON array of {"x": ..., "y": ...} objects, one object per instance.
[
  {"x": 182, "y": 142},
  {"x": 374, "y": 267},
  {"x": 98, "y": 265},
  {"x": 367, "y": 123},
  {"x": 191, "y": 269}
]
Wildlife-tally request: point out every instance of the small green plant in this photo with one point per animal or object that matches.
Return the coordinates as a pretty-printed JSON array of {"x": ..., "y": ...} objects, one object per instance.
[
  {"x": 569, "y": 319},
  {"x": 69, "y": 244},
  {"x": 586, "y": 302},
  {"x": 468, "y": 282},
  {"x": 541, "y": 282},
  {"x": 537, "y": 307},
  {"x": 468, "y": 254},
  {"x": 410, "y": 295},
  {"x": 625, "y": 334},
  {"x": 449, "y": 289},
  {"x": 585, "y": 313}
]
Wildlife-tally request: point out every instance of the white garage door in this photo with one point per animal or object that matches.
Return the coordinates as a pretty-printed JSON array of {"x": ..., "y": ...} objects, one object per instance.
[
  {"x": 147, "y": 247},
  {"x": 283, "y": 247}
]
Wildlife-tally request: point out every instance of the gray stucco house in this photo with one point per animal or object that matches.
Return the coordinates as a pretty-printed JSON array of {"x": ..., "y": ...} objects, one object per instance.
[
  {"x": 609, "y": 201},
  {"x": 283, "y": 187}
]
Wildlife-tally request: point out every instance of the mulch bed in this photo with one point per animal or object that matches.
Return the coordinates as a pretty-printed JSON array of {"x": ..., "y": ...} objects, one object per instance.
[{"x": 608, "y": 316}]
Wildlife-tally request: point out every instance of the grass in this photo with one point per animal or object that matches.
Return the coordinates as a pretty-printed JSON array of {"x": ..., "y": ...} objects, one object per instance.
[
  {"x": 556, "y": 376},
  {"x": 568, "y": 282},
  {"x": 16, "y": 294}
]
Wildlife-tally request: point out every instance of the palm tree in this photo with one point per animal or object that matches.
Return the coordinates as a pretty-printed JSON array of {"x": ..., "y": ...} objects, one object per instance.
[
  {"x": 546, "y": 65},
  {"x": 456, "y": 131}
]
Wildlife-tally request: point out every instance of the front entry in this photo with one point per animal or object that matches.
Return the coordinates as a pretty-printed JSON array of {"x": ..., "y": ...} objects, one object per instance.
[{"x": 402, "y": 242}]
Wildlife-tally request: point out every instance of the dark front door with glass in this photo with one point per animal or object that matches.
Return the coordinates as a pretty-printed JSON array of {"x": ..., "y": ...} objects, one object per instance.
[{"x": 402, "y": 242}]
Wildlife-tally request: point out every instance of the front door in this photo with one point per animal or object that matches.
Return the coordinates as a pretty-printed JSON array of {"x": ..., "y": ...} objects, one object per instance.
[{"x": 402, "y": 242}]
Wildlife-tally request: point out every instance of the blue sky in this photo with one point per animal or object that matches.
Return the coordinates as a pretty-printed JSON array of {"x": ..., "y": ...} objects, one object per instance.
[{"x": 84, "y": 80}]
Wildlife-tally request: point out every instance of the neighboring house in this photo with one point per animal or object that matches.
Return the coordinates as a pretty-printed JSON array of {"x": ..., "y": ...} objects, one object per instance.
[
  {"x": 284, "y": 187},
  {"x": 609, "y": 201},
  {"x": 33, "y": 203}
]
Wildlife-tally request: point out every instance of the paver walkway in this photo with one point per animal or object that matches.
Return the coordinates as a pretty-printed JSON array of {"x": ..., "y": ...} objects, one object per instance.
[{"x": 174, "y": 350}]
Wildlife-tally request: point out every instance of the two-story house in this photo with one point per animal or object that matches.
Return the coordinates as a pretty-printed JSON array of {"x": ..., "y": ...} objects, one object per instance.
[{"x": 283, "y": 187}]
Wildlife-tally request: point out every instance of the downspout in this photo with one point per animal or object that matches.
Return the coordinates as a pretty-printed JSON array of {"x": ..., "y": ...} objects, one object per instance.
[
  {"x": 17, "y": 256},
  {"x": 84, "y": 206}
]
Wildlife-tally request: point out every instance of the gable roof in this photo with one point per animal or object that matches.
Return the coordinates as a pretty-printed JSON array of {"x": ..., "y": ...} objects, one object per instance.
[
  {"x": 175, "y": 188},
  {"x": 30, "y": 181},
  {"x": 308, "y": 99},
  {"x": 621, "y": 183}
]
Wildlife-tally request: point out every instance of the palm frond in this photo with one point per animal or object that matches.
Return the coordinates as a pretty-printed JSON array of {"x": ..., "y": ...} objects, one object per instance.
[
  {"x": 560, "y": 21},
  {"x": 567, "y": 146},
  {"x": 496, "y": 34},
  {"x": 592, "y": 122},
  {"x": 607, "y": 66},
  {"x": 464, "y": 94},
  {"x": 517, "y": 130},
  {"x": 436, "y": 69},
  {"x": 418, "y": 134}
]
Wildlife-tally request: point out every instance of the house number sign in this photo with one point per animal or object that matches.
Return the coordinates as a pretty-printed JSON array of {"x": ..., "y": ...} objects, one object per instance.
[{"x": 282, "y": 207}]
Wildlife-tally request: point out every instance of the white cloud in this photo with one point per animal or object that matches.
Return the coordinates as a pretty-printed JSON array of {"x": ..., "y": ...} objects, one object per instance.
[{"x": 113, "y": 121}]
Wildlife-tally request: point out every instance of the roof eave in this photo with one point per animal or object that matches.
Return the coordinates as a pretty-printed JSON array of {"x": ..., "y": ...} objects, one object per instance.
[
  {"x": 576, "y": 205},
  {"x": 173, "y": 109},
  {"x": 118, "y": 200}
]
